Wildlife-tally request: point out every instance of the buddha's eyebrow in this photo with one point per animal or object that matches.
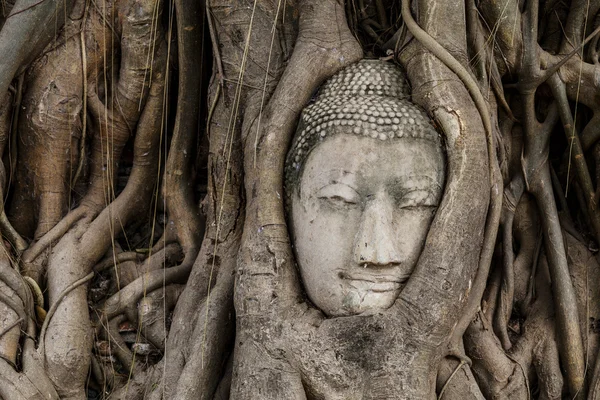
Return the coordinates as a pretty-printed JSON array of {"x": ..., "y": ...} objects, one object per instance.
[
  {"x": 338, "y": 175},
  {"x": 342, "y": 172},
  {"x": 337, "y": 182},
  {"x": 423, "y": 182}
]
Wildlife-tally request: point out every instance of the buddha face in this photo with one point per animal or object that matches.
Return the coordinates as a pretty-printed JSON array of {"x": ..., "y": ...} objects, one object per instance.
[{"x": 360, "y": 219}]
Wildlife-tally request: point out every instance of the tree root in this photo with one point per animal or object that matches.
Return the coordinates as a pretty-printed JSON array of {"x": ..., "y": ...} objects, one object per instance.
[
  {"x": 152, "y": 314},
  {"x": 496, "y": 373},
  {"x": 150, "y": 281},
  {"x": 178, "y": 191},
  {"x": 55, "y": 305}
]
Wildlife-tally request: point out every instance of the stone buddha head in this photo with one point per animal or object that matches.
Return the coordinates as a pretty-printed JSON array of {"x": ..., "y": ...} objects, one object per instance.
[{"x": 363, "y": 179}]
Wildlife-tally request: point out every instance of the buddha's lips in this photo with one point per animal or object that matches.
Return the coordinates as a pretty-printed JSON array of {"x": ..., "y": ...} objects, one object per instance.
[{"x": 375, "y": 282}]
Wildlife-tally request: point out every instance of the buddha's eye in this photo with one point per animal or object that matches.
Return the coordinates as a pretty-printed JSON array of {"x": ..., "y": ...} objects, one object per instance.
[
  {"x": 339, "y": 194},
  {"x": 418, "y": 198}
]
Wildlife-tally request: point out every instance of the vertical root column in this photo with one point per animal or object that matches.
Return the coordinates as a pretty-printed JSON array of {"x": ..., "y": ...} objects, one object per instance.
[
  {"x": 48, "y": 137},
  {"x": 68, "y": 339}
]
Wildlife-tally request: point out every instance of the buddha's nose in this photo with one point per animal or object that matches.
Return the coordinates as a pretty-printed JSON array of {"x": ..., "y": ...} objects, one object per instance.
[{"x": 376, "y": 240}]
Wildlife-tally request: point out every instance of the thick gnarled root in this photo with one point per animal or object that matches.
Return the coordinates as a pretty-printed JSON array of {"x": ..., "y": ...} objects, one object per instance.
[{"x": 68, "y": 341}]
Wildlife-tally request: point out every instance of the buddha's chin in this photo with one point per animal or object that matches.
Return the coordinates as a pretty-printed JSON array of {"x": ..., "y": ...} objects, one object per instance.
[{"x": 367, "y": 302}]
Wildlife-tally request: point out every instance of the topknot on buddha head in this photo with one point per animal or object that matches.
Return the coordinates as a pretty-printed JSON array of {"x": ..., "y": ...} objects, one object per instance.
[{"x": 369, "y": 98}]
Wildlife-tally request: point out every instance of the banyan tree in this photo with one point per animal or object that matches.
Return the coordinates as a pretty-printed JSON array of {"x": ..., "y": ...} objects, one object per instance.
[{"x": 303, "y": 199}]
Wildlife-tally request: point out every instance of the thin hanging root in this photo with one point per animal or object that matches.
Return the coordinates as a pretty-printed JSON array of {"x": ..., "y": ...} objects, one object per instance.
[{"x": 215, "y": 47}]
